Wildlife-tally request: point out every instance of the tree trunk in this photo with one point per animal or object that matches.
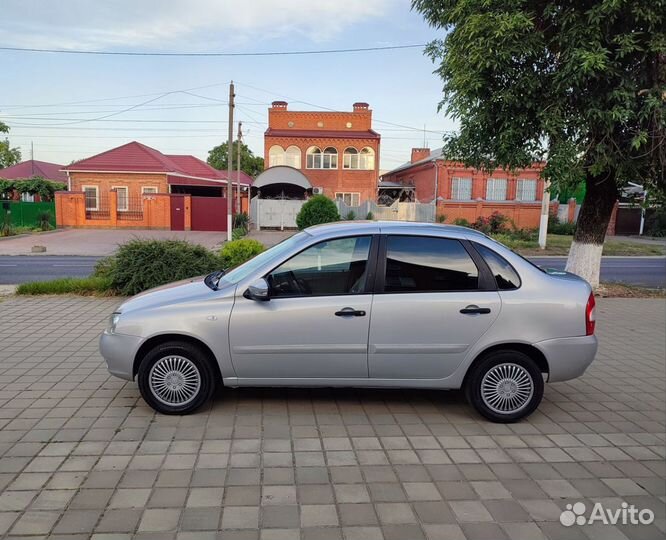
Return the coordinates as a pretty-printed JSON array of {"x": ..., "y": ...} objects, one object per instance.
[{"x": 595, "y": 213}]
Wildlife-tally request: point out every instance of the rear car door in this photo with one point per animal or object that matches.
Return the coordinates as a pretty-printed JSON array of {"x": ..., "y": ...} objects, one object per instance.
[
  {"x": 434, "y": 298},
  {"x": 316, "y": 323}
]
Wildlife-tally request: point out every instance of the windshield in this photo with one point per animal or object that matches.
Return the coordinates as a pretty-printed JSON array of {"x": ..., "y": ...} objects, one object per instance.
[{"x": 241, "y": 272}]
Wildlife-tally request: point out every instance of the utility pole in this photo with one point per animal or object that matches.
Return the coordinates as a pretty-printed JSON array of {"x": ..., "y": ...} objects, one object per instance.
[
  {"x": 230, "y": 157},
  {"x": 238, "y": 170},
  {"x": 545, "y": 206}
]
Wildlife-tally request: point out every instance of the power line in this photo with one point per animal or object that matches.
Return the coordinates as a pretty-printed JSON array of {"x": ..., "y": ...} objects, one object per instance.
[{"x": 212, "y": 54}]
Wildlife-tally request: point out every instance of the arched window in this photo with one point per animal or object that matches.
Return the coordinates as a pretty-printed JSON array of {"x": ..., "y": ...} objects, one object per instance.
[
  {"x": 330, "y": 158},
  {"x": 313, "y": 158},
  {"x": 367, "y": 159},
  {"x": 276, "y": 156},
  {"x": 293, "y": 157},
  {"x": 350, "y": 159}
]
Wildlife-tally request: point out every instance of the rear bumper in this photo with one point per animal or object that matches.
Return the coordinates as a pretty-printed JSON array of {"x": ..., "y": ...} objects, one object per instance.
[
  {"x": 119, "y": 352},
  {"x": 568, "y": 358}
]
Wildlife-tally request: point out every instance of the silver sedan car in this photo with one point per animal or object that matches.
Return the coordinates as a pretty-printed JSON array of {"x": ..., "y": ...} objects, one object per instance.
[{"x": 364, "y": 304}]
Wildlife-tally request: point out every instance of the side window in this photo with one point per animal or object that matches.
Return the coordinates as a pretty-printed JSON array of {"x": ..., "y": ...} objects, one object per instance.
[
  {"x": 329, "y": 268},
  {"x": 425, "y": 264},
  {"x": 505, "y": 276}
]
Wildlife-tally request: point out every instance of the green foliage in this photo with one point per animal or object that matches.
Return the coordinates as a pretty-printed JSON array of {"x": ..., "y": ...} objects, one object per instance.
[
  {"x": 556, "y": 227},
  {"x": 44, "y": 220},
  {"x": 250, "y": 164},
  {"x": 83, "y": 286},
  {"x": 241, "y": 220},
  {"x": 351, "y": 216},
  {"x": 370, "y": 216},
  {"x": 441, "y": 218},
  {"x": 237, "y": 252},
  {"x": 318, "y": 209},
  {"x": 238, "y": 233},
  {"x": 462, "y": 222},
  {"x": 8, "y": 156},
  {"x": 655, "y": 222},
  {"x": 139, "y": 265},
  {"x": 493, "y": 224},
  {"x": 34, "y": 186}
]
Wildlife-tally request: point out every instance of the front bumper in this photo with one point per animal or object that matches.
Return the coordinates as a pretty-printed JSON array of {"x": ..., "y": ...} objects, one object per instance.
[
  {"x": 568, "y": 358},
  {"x": 119, "y": 351}
]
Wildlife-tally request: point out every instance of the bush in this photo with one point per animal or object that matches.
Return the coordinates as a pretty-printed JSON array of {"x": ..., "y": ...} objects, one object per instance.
[
  {"x": 238, "y": 233},
  {"x": 319, "y": 209},
  {"x": 241, "y": 221},
  {"x": 237, "y": 252},
  {"x": 441, "y": 218},
  {"x": 84, "y": 286},
  {"x": 139, "y": 265},
  {"x": 370, "y": 216},
  {"x": 44, "y": 220},
  {"x": 655, "y": 222},
  {"x": 351, "y": 216},
  {"x": 462, "y": 222},
  {"x": 556, "y": 227},
  {"x": 493, "y": 224}
]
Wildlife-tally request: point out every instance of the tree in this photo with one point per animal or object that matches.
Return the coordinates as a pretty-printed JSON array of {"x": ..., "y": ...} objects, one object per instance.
[
  {"x": 579, "y": 84},
  {"x": 8, "y": 156},
  {"x": 250, "y": 164}
]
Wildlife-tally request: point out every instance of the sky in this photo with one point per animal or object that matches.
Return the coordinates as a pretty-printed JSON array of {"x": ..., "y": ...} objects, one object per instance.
[{"x": 70, "y": 106}]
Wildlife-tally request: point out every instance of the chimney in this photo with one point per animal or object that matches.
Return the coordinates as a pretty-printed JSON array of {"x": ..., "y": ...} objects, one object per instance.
[
  {"x": 282, "y": 105},
  {"x": 420, "y": 153},
  {"x": 360, "y": 106}
]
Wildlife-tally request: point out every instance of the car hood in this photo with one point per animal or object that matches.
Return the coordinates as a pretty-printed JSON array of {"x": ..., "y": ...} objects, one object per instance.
[{"x": 187, "y": 290}]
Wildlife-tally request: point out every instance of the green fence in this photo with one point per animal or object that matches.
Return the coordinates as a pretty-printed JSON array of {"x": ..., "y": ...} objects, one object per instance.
[{"x": 25, "y": 214}]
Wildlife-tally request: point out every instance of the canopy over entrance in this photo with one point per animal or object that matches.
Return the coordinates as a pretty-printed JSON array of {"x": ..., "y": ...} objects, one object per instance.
[{"x": 281, "y": 181}]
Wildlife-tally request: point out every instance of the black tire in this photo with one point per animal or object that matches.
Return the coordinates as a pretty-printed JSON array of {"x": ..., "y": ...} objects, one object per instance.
[
  {"x": 492, "y": 360},
  {"x": 199, "y": 361}
]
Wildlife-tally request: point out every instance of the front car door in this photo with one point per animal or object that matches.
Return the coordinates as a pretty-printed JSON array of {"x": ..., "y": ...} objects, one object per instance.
[
  {"x": 434, "y": 299},
  {"x": 316, "y": 323}
]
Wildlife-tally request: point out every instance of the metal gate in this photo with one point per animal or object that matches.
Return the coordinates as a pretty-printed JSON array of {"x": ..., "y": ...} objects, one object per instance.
[
  {"x": 275, "y": 213},
  {"x": 209, "y": 214},
  {"x": 628, "y": 220}
]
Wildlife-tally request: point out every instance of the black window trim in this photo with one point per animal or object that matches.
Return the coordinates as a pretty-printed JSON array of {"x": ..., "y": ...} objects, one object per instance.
[
  {"x": 369, "y": 281},
  {"x": 486, "y": 279},
  {"x": 520, "y": 279}
]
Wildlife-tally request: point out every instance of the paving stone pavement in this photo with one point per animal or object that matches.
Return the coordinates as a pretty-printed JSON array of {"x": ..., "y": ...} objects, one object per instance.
[{"x": 83, "y": 457}]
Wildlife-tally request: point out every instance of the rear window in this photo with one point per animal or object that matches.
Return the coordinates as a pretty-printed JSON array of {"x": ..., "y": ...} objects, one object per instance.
[{"x": 505, "y": 275}]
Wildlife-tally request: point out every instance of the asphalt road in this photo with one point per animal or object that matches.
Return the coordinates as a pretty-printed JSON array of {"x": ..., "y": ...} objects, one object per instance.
[{"x": 645, "y": 271}]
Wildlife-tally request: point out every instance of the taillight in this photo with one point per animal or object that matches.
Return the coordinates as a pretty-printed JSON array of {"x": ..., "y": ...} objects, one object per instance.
[{"x": 590, "y": 316}]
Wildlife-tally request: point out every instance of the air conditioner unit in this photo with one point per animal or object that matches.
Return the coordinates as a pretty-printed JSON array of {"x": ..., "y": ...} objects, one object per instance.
[{"x": 317, "y": 190}]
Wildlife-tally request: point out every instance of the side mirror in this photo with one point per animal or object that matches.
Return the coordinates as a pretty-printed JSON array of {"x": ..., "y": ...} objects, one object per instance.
[{"x": 258, "y": 290}]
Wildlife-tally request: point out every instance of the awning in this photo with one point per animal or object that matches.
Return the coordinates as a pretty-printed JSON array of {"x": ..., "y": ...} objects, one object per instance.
[{"x": 282, "y": 174}]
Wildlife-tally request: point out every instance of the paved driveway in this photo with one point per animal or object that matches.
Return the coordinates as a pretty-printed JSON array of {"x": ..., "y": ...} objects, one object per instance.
[
  {"x": 99, "y": 242},
  {"x": 82, "y": 455}
]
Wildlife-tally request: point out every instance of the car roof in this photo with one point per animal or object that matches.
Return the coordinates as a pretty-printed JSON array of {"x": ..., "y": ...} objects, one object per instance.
[{"x": 400, "y": 227}]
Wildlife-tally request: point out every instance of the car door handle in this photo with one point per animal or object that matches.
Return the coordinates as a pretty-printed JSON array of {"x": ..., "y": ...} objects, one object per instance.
[
  {"x": 475, "y": 310},
  {"x": 350, "y": 312}
]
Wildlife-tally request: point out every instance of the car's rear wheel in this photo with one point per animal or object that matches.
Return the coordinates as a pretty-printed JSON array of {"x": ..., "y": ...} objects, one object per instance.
[
  {"x": 505, "y": 386},
  {"x": 176, "y": 378}
]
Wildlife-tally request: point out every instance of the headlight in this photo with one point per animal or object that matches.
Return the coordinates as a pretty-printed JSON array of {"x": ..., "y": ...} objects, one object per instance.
[{"x": 113, "y": 321}]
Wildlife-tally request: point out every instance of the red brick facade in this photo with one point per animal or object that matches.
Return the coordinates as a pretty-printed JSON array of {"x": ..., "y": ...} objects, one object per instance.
[{"x": 321, "y": 129}]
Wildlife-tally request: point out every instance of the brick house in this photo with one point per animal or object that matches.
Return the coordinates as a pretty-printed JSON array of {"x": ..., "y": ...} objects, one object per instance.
[
  {"x": 136, "y": 186},
  {"x": 338, "y": 152},
  {"x": 463, "y": 192},
  {"x": 30, "y": 169}
]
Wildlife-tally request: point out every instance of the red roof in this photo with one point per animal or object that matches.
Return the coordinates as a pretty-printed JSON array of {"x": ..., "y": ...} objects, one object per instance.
[
  {"x": 32, "y": 167},
  {"x": 137, "y": 157},
  {"x": 323, "y": 133}
]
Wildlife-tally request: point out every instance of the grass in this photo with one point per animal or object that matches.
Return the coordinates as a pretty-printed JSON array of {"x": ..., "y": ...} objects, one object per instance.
[
  {"x": 558, "y": 244},
  {"x": 90, "y": 286},
  {"x": 621, "y": 290}
]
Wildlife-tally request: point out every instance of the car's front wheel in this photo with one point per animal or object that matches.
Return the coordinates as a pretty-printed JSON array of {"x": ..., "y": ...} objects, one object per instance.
[
  {"x": 505, "y": 386},
  {"x": 176, "y": 378}
]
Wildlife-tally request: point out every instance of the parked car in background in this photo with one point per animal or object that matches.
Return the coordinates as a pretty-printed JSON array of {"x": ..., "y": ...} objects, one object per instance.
[{"x": 364, "y": 304}]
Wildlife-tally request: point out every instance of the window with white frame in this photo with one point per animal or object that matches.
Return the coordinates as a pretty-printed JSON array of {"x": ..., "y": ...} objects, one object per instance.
[
  {"x": 367, "y": 160},
  {"x": 91, "y": 195},
  {"x": 276, "y": 156},
  {"x": 27, "y": 197},
  {"x": 461, "y": 189},
  {"x": 122, "y": 196},
  {"x": 316, "y": 159},
  {"x": 350, "y": 199},
  {"x": 293, "y": 157},
  {"x": 146, "y": 190},
  {"x": 526, "y": 190},
  {"x": 350, "y": 159},
  {"x": 496, "y": 189}
]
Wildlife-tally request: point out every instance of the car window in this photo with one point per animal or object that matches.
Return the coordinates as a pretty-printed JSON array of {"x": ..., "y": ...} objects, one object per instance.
[
  {"x": 425, "y": 264},
  {"x": 505, "y": 275},
  {"x": 328, "y": 268}
]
